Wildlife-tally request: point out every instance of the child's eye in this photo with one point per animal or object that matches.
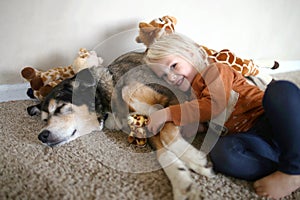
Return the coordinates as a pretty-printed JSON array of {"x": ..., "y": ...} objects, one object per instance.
[{"x": 173, "y": 66}]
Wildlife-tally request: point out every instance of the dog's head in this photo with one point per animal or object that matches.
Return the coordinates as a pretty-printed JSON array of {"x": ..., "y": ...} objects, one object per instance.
[{"x": 71, "y": 110}]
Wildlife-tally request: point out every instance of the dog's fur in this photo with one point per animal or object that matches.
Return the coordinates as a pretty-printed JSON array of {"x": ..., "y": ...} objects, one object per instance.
[{"x": 79, "y": 105}]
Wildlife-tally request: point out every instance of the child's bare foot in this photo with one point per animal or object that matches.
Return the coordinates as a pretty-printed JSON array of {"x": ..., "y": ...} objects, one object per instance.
[{"x": 277, "y": 185}]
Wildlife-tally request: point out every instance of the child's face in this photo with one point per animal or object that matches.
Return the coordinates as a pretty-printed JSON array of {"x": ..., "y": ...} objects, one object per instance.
[{"x": 176, "y": 71}]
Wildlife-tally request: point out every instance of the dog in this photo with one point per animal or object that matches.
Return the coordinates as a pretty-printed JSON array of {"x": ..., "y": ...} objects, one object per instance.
[{"x": 100, "y": 96}]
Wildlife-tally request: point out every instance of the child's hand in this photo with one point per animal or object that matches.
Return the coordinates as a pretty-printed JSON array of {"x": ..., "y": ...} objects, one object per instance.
[{"x": 158, "y": 119}]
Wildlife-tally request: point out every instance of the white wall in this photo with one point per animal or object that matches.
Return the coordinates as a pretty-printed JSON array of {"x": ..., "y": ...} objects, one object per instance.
[{"x": 48, "y": 33}]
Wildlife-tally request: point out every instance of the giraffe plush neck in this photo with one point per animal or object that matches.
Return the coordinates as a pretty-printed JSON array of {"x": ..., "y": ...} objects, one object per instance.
[
  {"x": 149, "y": 32},
  {"x": 246, "y": 67}
]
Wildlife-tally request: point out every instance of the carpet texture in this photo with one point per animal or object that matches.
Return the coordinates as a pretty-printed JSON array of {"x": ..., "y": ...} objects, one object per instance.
[{"x": 101, "y": 165}]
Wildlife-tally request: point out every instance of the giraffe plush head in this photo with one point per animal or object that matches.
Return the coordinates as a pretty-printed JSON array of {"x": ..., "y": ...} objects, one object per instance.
[{"x": 148, "y": 32}]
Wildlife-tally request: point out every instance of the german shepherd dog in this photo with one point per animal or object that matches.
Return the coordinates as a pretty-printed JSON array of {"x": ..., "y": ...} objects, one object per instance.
[{"x": 98, "y": 96}]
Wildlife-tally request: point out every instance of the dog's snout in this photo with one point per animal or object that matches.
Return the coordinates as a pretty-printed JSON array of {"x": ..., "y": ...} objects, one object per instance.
[{"x": 43, "y": 136}]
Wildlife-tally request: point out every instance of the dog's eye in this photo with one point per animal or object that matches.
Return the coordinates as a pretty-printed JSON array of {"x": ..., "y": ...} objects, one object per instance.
[
  {"x": 63, "y": 109},
  {"x": 66, "y": 109},
  {"x": 58, "y": 109}
]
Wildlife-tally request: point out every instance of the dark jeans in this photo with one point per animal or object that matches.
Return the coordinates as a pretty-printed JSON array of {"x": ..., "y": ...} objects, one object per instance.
[{"x": 272, "y": 144}]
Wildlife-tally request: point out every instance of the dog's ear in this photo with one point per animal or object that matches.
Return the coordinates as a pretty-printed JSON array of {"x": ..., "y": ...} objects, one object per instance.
[{"x": 85, "y": 78}]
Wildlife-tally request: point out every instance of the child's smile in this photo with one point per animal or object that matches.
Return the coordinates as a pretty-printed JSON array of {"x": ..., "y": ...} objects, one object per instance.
[{"x": 176, "y": 71}]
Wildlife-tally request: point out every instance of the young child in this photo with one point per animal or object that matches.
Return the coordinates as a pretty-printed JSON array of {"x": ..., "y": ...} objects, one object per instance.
[{"x": 263, "y": 139}]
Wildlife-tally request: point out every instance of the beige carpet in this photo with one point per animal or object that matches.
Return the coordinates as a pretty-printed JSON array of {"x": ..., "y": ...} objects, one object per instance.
[{"x": 98, "y": 166}]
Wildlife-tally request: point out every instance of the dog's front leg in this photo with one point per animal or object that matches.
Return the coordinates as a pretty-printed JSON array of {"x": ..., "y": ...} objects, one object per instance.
[
  {"x": 195, "y": 160},
  {"x": 179, "y": 175}
]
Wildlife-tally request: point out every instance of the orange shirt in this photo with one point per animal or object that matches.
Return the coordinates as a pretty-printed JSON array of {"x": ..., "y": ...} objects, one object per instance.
[{"x": 212, "y": 89}]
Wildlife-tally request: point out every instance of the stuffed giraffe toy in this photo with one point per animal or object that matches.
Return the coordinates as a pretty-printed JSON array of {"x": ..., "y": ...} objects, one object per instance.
[
  {"x": 42, "y": 82},
  {"x": 138, "y": 132},
  {"x": 149, "y": 32}
]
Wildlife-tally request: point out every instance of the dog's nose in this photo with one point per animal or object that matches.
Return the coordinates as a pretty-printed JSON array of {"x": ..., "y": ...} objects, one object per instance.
[{"x": 43, "y": 136}]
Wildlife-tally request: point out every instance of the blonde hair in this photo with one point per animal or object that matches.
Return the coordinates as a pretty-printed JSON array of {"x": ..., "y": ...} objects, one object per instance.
[{"x": 179, "y": 45}]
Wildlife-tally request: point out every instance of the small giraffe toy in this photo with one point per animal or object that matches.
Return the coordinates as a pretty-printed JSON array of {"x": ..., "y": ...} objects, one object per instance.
[
  {"x": 138, "y": 131},
  {"x": 149, "y": 32},
  {"x": 42, "y": 82}
]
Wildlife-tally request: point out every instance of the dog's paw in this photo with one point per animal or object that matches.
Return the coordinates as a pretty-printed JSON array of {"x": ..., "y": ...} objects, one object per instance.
[
  {"x": 190, "y": 191},
  {"x": 197, "y": 161},
  {"x": 33, "y": 110},
  {"x": 194, "y": 159},
  {"x": 183, "y": 185},
  {"x": 205, "y": 171}
]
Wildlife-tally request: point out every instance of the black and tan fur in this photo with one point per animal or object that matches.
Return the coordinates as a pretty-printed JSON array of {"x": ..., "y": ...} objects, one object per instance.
[{"x": 79, "y": 105}]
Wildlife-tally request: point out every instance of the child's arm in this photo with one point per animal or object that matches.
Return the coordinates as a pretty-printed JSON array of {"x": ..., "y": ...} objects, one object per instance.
[{"x": 158, "y": 119}]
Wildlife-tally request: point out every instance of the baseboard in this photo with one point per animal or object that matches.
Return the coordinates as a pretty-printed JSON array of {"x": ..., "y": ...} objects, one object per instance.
[{"x": 16, "y": 92}]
